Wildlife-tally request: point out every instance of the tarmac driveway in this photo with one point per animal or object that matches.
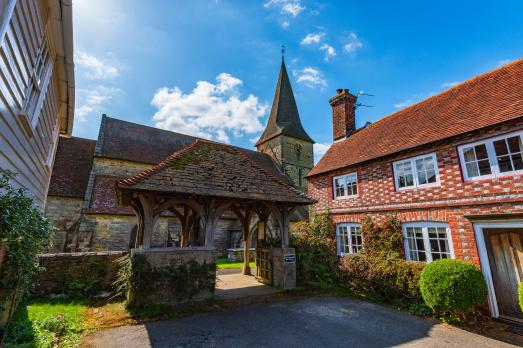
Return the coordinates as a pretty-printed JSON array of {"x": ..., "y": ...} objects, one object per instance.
[{"x": 316, "y": 322}]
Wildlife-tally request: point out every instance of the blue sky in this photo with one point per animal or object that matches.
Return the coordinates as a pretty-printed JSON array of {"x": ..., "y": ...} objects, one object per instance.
[{"x": 209, "y": 67}]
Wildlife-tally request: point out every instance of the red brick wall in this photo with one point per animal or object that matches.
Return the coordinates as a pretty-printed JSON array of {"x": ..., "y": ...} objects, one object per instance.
[
  {"x": 449, "y": 202},
  {"x": 343, "y": 114}
]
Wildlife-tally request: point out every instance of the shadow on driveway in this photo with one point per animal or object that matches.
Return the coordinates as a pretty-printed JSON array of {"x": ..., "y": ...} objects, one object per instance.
[{"x": 316, "y": 322}]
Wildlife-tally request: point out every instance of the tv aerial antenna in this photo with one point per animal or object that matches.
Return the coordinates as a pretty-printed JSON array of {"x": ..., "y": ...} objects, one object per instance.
[{"x": 362, "y": 93}]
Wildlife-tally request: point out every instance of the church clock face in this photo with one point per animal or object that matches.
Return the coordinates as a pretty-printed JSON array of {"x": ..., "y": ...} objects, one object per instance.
[{"x": 297, "y": 149}]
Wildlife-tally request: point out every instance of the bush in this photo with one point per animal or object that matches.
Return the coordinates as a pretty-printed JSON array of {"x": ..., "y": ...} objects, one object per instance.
[
  {"x": 453, "y": 288},
  {"x": 520, "y": 292},
  {"x": 26, "y": 233},
  {"x": 390, "y": 280},
  {"x": 383, "y": 240},
  {"x": 315, "y": 244}
]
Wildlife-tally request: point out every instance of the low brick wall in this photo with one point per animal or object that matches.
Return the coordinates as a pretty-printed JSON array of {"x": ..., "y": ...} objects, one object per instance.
[{"x": 84, "y": 273}]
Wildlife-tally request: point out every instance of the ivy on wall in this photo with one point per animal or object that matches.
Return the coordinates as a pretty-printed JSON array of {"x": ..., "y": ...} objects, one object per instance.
[{"x": 142, "y": 284}]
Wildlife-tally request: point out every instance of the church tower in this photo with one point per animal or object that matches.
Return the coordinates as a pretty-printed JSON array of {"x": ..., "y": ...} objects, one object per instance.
[{"x": 284, "y": 138}]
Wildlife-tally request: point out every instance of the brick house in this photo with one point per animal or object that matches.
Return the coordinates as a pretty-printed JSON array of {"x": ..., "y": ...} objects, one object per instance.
[
  {"x": 82, "y": 203},
  {"x": 449, "y": 167}
]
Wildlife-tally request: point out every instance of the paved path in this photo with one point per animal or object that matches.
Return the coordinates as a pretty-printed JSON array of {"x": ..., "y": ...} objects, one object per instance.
[
  {"x": 317, "y": 322},
  {"x": 232, "y": 284}
]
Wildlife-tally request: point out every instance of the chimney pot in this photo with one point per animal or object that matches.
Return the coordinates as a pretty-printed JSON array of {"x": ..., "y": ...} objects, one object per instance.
[{"x": 343, "y": 114}]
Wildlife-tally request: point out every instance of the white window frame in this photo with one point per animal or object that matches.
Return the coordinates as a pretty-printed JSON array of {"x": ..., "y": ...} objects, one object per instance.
[
  {"x": 348, "y": 225},
  {"x": 412, "y": 161},
  {"x": 426, "y": 241},
  {"x": 347, "y": 195},
  {"x": 492, "y": 157}
]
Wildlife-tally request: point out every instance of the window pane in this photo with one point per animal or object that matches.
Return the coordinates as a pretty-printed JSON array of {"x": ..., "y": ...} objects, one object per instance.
[
  {"x": 505, "y": 165},
  {"x": 415, "y": 244},
  {"x": 342, "y": 239},
  {"x": 404, "y": 174},
  {"x": 501, "y": 147},
  {"x": 469, "y": 155},
  {"x": 439, "y": 245},
  {"x": 514, "y": 144},
  {"x": 340, "y": 187},
  {"x": 422, "y": 178},
  {"x": 517, "y": 162},
  {"x": 431, "y": 176},
  {"x": 472, "y": 169},
  {"x": 356, "y": 239},
  {"x": 481, "y": 151},
  {"x": 484, "y": 167},
  {"x": 352, "y": 185}
]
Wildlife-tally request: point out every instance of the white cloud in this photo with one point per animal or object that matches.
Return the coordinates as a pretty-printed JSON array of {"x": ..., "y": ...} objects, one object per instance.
[
  {"x": 210, "y": 110},
  {"x": 504, "y": 62},
  {"x": 319, "y": 150},
  {"x": 285, "y": 24},
  {"x": 403, "y": 104},
  {"x": 449, "y": 84},
  {"x": 90, "y": 101},
  {"x": 93, "y": 67},
  {"x": 312, "y": 38},
  {"x": 290, "y": 7},
  {"x": 329, "y": 51},
  {"x": 310, "y": 77},
  {"x": 353, "y": 44}
]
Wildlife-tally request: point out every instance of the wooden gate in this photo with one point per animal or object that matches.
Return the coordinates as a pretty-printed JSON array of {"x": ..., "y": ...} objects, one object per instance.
[{"x": 505, "y": 253}]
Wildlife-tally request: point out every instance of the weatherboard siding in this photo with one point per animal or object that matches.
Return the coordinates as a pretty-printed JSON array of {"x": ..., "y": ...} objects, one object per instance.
[{"x": 27, "y": 142}]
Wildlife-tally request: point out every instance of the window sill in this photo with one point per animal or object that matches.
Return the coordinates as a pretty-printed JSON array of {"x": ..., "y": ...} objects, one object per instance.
[
  {"x": 421, "y": 187},
  {"x": 23, "y": 119},
  {"x": 493, "y": 176},
  {"x": 344, "y": 198}
]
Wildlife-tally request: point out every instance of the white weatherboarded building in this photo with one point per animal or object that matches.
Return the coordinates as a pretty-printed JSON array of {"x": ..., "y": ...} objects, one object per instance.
[{"x": 36, "y": 88}]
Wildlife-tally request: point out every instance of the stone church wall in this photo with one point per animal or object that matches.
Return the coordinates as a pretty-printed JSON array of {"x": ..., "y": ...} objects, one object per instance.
[{"x": 63, "y": 213}]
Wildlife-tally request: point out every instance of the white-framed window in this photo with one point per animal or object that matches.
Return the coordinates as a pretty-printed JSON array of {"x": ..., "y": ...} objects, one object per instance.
[
  {"x": 427, "y": 241},
  {"x": 498, "y": 156},
  {"x": 348, "y": 238},
  {"x": 38, "y": 81},
  {"x": 419, "y": 171},
  {"x": 345, "y": 186}
]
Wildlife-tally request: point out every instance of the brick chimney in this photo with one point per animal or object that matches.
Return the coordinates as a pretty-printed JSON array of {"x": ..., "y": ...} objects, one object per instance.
[{"x": 343, "y": 114}]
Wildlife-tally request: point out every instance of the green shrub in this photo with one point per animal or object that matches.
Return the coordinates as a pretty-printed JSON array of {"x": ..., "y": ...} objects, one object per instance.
[
  {"x": 383, "y": 240},
  {"x": 315, "y": 244},
  {"x": 390, "y": 280},
  {"x": 26, "y": 233},
  {"x": 520, "y": 292},
  {"x": 453, "y": 288}
]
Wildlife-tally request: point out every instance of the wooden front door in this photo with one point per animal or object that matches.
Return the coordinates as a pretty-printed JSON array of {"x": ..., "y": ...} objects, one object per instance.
[{"x": 505, "y": 252}]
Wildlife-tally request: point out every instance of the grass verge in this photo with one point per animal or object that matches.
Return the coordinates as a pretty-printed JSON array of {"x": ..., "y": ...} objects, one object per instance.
[
  {"x": 224, "y": 263},
  {"x": 46, "y": 323}
]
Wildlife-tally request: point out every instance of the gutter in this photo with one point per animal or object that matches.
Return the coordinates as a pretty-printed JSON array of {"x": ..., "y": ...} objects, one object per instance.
[{"x": 66, "y": 12}]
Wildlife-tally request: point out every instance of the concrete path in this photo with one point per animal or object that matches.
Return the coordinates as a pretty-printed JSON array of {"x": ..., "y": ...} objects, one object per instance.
[
  {"x": 230, "y": 284},
  {"x": 317, "y": 322}
]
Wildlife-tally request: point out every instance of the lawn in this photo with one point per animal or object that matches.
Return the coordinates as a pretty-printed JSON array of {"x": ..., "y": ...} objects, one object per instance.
[
  {"x": 224, "y": 263},
  {"x": 47, "y": 323}
]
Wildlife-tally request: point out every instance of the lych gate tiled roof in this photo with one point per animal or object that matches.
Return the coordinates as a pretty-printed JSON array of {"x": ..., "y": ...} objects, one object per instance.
[
  {"x": 284, "y": 117},
  {"x": 483, "y": 101},
  {"x": 213, "y": 169},
  {"x": 72, "y": 165}
]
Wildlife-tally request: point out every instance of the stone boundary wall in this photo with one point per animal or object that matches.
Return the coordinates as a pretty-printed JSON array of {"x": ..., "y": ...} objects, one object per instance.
[{"x": 83, "y": 273}]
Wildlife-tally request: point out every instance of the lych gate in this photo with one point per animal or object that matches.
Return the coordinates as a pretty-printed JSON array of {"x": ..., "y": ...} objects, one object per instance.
[{"x": 198, "y": 184}]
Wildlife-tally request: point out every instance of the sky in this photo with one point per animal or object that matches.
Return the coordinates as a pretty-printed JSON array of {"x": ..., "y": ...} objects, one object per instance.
[{"x": 209, "y": 67}]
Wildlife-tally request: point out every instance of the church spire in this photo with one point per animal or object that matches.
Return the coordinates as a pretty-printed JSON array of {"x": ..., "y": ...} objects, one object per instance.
[{"x": 284, "y": 118}]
